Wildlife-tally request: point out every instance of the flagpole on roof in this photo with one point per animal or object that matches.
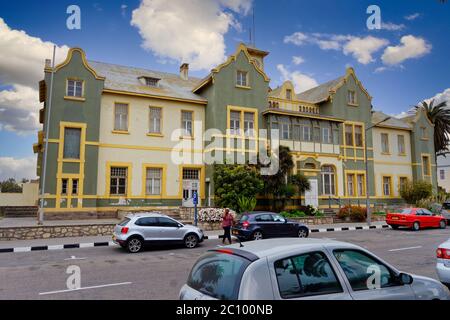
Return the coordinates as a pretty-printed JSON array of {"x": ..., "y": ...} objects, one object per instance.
[{"x": 45, "y": 153}]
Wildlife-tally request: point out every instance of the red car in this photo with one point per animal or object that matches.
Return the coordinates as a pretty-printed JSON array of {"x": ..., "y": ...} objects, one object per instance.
[{"x": 416, "y": 218}]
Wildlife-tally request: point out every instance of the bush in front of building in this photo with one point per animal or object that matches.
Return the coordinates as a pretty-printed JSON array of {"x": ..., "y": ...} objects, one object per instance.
[
  {"x": 353, "y": 213},
  {"x": 234, "y": 181},
  {"x": 413, "y": 192}
]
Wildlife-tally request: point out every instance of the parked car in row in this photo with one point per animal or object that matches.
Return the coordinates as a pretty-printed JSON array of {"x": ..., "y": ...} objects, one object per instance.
[
  {"x": 259, "y": 225},
  {"x": 443, "y": 263},
  {"x": 416, "y": 219},
  {"x": 313, "y": 269},
  {"x": 138, "y": 230},
  {"x": 445, "y": 211}
]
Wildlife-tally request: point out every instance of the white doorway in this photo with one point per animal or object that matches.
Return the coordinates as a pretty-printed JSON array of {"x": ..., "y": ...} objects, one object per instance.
[
  {"x": 312, "y": 196},
  {"x": 191, "y": 184}
]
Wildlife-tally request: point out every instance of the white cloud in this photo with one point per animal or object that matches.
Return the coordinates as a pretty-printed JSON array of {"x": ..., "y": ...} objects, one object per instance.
[
  {"x": 410, "y": 47},
  {"x": 380, "y": 69},
  {"x": 22, "y": 59},
  {"x": 123, "y": 10},
  {"x": 188, "y": 31},
  {"x": 441, "y": 97},
  {"x": 392, "y": 26},
  {"x": 413, "y": 16},
  {"x": 363, "y": 48},
  {"x": 297, "y": 60},
  {"x": 19, "y": 110},
  {"x": 329, "y": 44},
  {"x": 302, "y": 82},
  {"x": 17, "y": 168},
  {"x": 297, "y": 38}
]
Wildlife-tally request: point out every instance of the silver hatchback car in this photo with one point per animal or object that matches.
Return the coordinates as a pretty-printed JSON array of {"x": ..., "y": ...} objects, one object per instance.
[
  {"x": 138, "y": 230},
  {"x": 313, "y": 269},
  {"x": 443, "y": 263}
]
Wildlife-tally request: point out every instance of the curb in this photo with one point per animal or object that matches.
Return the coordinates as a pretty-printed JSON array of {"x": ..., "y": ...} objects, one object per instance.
[{"x": 112, "y": 244}]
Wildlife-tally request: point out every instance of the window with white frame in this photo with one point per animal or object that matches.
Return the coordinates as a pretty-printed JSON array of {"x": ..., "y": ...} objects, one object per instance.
[
  {"x": 75, "y": 88},
  {"x": 358, "y": 136},
  {"x": 118, "y": 181},
  {"x": 351, "y": 98},
  {"x": 72, "y": 139},
  {"x": 348, "y": 135},
  {"x": 350, "y": 184},
  {"x": 426, "y": 165},
  {"x": 249, "y": 124},
  {"x": 401, "y": 144},
  {"x": 121, "y": 117},
  {"x": 307, "y": 134},
  {"x": 191, "y": 174},
  {"x": 235, "y": 122},
  {"x": 153, "y": 181},
  {"x": 326, "y": 135},
  {"x": 155, "y": 120},
  {"x": 186, "y": 123},
  {"x": 64, "y": 186},
  {"x": 360, "y": 184},
  {"x": 387, "y": 186},
  {"x": 241, "y": 78},
  {"x": 328, "y": 181},
  {"x": 285, "y": 131},
  {"x": 402, "y": 183},
  {"x": 75, "y": 186}
]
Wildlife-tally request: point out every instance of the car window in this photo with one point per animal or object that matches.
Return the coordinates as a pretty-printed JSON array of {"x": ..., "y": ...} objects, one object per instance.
[
  {"x": 363, "y": 271},
  {"x": 406, "y": 211},
  {"x": 147, "y": 222},
  {"x": 426, "y": 212},
  {"x": 264, "y": 218},
  {"x": 218, "y": 275},
  {"x": 166, "y": 222},
  {"x": 243, "y": 218},
  {"x": 278, "y": 218},
  {"x": 306, "y": 275},
  {"x": 124, "y": 222}
]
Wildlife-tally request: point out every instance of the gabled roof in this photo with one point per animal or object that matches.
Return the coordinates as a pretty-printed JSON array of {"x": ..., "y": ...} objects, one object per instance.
[
  {"x": 325, "y": 91},
  {"x": 241, "y": 48},
  {"x": 394, "y": 123},
  {"x": 414, "y": 117},
  {"x": 126, "y": 79}
]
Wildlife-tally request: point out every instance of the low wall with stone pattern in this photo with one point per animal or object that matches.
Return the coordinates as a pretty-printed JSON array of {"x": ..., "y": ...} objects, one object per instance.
[{"x": 47, "y": 232}]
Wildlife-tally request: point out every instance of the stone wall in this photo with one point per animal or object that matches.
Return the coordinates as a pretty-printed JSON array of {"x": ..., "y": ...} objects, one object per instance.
[{"x": 47, "y": 232}]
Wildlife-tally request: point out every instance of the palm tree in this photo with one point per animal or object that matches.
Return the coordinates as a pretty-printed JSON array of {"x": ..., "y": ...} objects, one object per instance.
[
  {"x": 302, "y": 184},
  {"x": 439, "y": 115}
]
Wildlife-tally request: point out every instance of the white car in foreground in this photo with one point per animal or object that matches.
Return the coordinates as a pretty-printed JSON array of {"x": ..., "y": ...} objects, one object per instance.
[{"x": 443, "y": 263}]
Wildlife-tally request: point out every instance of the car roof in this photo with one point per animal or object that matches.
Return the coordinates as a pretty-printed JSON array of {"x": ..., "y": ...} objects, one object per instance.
[
  {"x": 252, "y": 213},
  {"x": 145, "y": 215},
  {"x": 268, "y": 247}
]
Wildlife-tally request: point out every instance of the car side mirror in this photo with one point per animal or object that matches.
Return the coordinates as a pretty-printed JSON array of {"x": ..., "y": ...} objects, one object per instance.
[
  {"x": 405, "y": 278},
  {"x": 179, "y": 226}
]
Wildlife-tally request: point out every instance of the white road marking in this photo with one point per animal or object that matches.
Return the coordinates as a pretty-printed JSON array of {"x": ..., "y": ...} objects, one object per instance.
[
  {"x": 401, "y": 249},
  {"x": 56, "y": 247},
  {"x": 85, "y": 288},
  {"x": 22, "y": 249},
  {"x": 74, "y": 258},
  {"x": 86, "y": 245}
]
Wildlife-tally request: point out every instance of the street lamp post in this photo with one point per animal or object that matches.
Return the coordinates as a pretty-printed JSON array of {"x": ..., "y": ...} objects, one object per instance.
[{"x": 369, "y": 213}]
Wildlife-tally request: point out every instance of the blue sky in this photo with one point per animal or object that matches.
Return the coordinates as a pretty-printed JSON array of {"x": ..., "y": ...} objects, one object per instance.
[{"x": 324, "y": 35}]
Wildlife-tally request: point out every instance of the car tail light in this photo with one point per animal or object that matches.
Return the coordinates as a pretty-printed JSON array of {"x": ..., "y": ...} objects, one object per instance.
[
  {"x": 442, "y": 253},
  {"x": 245, "y": 224},
  {"x": 124, "y": 230},
  {"x": 226, "y": 251}
]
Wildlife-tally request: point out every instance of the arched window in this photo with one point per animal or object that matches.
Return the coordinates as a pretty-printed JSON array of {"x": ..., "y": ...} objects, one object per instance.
[{"x": 328, "y": 181}]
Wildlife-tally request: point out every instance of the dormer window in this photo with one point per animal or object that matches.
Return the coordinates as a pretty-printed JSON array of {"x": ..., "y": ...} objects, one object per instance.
[
  {"x": 149, "y": 81},
  {"x": 288, "y": 94},
  {"x": 74, "y": 88},
  {"x": 351, "y": 98}
]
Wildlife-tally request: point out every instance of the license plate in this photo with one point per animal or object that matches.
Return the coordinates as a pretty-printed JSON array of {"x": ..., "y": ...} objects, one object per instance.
[{"x": 394, "y": 218}]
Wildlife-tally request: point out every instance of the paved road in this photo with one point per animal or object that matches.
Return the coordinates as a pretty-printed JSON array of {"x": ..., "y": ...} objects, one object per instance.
[{"x": 160, "y": 273}]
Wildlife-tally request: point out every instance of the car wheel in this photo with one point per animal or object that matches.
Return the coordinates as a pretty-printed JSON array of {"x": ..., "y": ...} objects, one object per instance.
[
  {"x": 303, "y": 233},
  {"x": 257, "y": 235},
  {"x": 394, "y": 227},
  {"x": 191, "y": 241},
  {"x": 442, "y": 224},
  {"x": 134, "y": 245},
  {"x": 416, "y": 226}
]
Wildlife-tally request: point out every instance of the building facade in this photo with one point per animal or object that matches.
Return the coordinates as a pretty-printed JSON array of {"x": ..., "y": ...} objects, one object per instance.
[
  {"x": 443, "y": 172},
  {"x": 123, "y": 137}
]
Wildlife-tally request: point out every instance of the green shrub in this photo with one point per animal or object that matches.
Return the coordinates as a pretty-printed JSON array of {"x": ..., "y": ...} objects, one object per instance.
[
  {"x": 413, "y": 192},
  {"x": 357, "y": 214}
]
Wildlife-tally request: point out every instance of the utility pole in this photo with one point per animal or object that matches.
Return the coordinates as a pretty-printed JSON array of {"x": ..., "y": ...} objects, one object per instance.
[{"x": 45, "y": 154}]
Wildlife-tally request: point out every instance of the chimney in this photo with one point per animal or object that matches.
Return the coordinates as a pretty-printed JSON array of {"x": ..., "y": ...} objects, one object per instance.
[
  {"x": 48, "y": 63},
  {"x": 184, "y": 71}
]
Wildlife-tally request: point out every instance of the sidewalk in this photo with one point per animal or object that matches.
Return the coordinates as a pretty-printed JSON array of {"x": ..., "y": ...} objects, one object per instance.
[{"x": 58, "y": 243}]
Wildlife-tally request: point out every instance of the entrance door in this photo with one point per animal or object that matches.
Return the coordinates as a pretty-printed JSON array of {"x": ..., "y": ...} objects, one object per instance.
[
  {"x": 312, "y": 196},
  {"x": 191, "y": 184}
]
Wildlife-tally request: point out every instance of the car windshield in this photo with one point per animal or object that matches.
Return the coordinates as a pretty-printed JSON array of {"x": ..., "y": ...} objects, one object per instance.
[
  {"x": 406, "y": 211},
  {"x": 218, "y": 275},
  {"x": 124, "y": 222}
]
